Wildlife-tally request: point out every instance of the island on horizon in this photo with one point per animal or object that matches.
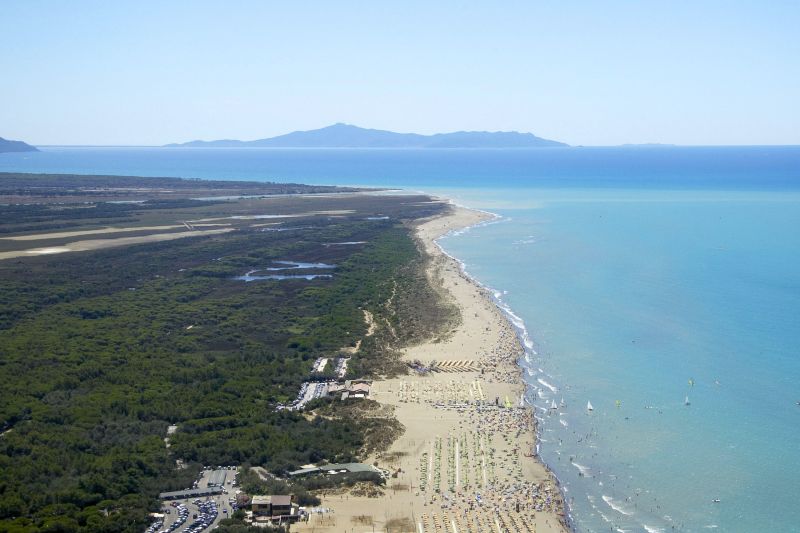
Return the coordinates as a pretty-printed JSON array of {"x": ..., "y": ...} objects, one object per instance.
[
  {"x": 7, "y": 145},
  {"x": 348, "y": 136}
]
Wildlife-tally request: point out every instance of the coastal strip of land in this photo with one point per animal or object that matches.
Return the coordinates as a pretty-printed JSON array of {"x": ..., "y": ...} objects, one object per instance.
[
  {"x": 142, "y": 365},
  {"x": 464, "y": 462},
  {"x": 300, "y": 341}
]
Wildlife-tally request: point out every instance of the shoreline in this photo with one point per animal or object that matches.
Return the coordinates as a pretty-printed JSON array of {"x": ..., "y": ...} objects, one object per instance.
[
  {"x": 522, "y": 337},
  {"x": 468, "y": 459},
  {"x": 521, "y": 333}
]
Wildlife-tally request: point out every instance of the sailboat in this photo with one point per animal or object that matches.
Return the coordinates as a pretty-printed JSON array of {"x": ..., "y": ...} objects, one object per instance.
[
  {"x": 563, "y": 404},
  {"x": 553, "y": 404},
  {"x": 589, "y": 406},
  {"x": 686, "y": 401}
]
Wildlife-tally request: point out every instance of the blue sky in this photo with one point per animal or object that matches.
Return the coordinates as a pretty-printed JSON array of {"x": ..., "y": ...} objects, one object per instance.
[{"x": 583, "y": 72}]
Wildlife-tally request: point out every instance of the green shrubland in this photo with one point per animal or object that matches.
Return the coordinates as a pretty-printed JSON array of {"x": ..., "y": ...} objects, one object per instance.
[{"x": 97, "y": 359}]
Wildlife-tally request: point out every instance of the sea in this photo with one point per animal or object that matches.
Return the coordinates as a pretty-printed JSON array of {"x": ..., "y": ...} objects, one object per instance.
[{"x": 660, "y": 284}]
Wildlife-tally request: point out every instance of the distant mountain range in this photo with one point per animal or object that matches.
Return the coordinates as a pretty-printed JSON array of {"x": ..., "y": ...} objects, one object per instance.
[
  {"x": 15, "y": 146},
  {"x": 348, "y": 136}
]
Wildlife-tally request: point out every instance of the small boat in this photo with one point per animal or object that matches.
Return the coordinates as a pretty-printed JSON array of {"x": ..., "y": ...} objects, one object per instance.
[
  {"x": 589, "y": 406},
  {"x": 686, "y": 401},
  {"x": 717, "y": 500}
]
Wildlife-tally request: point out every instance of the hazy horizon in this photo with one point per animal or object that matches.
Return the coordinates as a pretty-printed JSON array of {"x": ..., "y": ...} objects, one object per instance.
[
  {"x": 148, "y": 74},
  {"x": 384, "y": 148}
]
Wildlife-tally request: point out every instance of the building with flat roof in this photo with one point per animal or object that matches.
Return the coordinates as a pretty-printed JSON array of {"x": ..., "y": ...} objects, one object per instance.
[
  {"x": 275, "y": 507},
  {"x": 352, "y": 388},
  {"x": 217, "y": 478}
]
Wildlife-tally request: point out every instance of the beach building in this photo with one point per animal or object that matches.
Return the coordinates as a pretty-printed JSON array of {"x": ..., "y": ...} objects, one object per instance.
[
  {"x": 352, "y": 388},
  {"x": 311, "y": 390},
  {"x": 359, "y": 390},
  {"x": 274, "y": 508}
]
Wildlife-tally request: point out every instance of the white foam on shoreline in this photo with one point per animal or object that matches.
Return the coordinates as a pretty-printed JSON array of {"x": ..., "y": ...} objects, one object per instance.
[
  {"x": 528, "y": 355},
  {"x": 544, "y": 393},
  {"x": 521, "y": 330},
  {"x": 528, "y": 344}
]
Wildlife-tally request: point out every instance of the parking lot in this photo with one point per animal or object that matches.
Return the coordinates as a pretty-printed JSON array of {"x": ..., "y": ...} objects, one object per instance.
[{"x": 194, "y": 515}]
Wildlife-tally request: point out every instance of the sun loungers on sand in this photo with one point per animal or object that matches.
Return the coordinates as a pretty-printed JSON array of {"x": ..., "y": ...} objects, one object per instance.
[{"x": 464, "y": 463}]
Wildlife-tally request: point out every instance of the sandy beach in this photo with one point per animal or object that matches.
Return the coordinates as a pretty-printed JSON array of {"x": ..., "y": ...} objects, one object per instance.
[{"x": 464, "y": 462}]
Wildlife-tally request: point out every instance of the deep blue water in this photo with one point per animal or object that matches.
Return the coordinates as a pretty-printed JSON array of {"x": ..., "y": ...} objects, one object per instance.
[
  {"x": 634, "y": 270},
  {"x": 652, "y": 167}
]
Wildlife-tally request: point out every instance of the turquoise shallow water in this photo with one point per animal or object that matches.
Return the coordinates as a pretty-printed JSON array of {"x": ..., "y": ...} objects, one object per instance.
[
  {"x": 629, "y": 295},
  {"x": 631, "y": 271}
]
